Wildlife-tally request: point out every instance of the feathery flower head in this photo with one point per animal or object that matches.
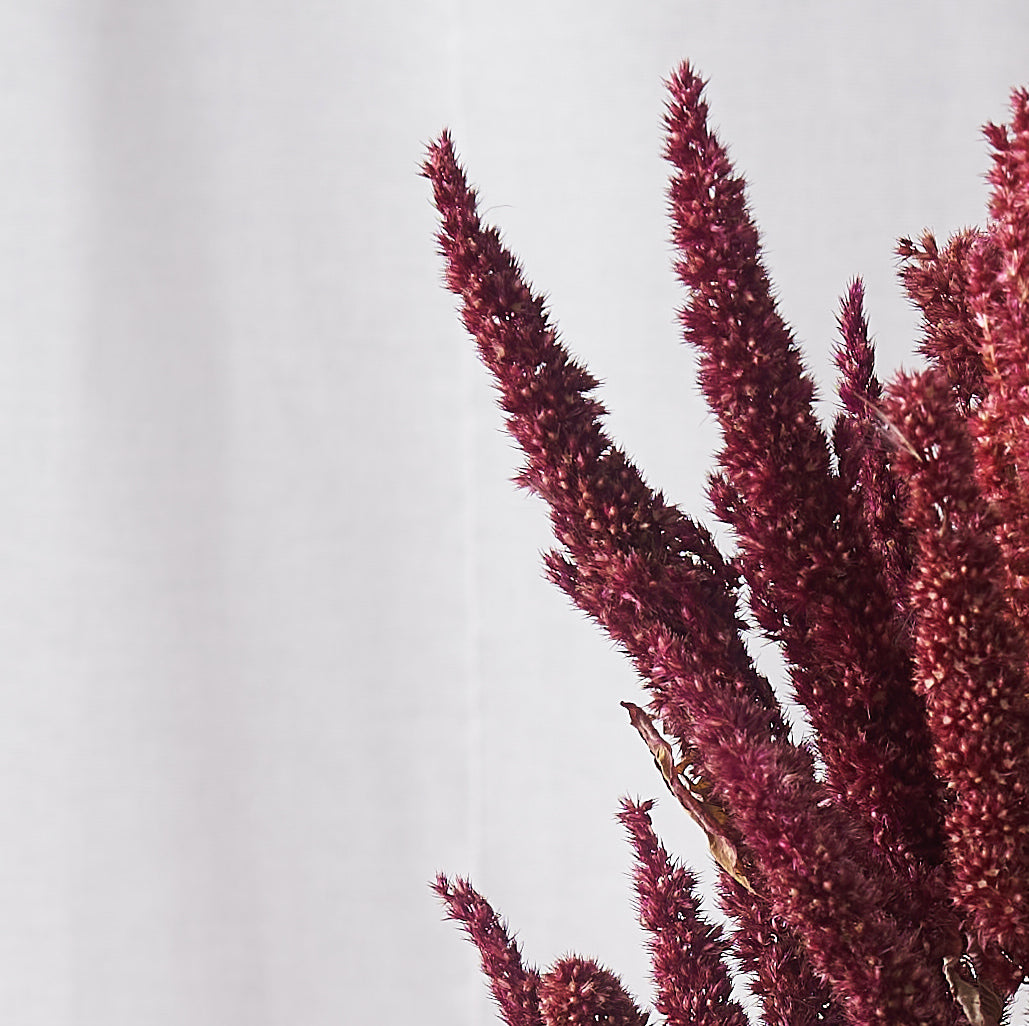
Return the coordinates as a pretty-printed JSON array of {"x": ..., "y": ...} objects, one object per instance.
[
  {"x": 876, "y": 871},
  {"x": 578, "y": 992}
]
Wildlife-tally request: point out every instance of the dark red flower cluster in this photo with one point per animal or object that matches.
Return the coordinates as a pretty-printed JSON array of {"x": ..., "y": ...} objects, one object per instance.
[{"x": 877, "y": 871}]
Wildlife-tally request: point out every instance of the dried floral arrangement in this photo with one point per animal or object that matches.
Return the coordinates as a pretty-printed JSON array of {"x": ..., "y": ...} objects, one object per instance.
[{"x": 877, "y": 871}]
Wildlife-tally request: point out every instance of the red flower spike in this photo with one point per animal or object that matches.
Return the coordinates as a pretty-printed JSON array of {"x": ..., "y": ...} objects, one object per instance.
[
  {"x": 515, "y": 988},
  {"x": 999, "y": 288},
  {"x": 970, "y": 659},
  {"x": 869, "y": 486},
  {"x": 937, "y": 281},
  {"x": 603, "y": 513},
  {"x": 693, "y": 984}
]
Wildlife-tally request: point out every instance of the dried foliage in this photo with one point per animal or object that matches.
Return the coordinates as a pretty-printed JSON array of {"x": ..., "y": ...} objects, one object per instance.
[{"x": 877, "y": 871}]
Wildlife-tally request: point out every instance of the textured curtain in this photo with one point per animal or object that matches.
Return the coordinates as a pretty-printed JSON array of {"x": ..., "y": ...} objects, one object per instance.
[{"x": 274, "y": 641}]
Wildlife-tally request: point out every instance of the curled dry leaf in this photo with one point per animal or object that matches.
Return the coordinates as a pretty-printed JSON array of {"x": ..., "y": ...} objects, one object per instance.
[
  {"x": 982, "y": 1005},
  {"x": 708, "y": 816}
]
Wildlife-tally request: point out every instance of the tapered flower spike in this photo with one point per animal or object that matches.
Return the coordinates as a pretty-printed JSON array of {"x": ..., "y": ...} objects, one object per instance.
[
  {"x": 999, "y": 300},
  {"x": 515, "y": 987},
  {"x": 606, "y": 519},
  {"x": 687, "y": 954},
  {"x": 864, "y": 469},
  {"x": 970, "y": 660},
  {"x": 803, "y": 554},
  {"x": 937, "y": 281},
  {"x": 781, "y": 978},
  {"x": 859, "y": 389},
  {"x": 656, "y": 582}
]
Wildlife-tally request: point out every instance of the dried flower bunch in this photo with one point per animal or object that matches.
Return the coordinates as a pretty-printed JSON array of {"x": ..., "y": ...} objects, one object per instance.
[{"x": 877, "y": 871}]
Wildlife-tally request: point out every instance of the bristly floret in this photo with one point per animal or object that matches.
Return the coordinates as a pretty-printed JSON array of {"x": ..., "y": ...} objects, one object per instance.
[{"x": 579, "y": 992}]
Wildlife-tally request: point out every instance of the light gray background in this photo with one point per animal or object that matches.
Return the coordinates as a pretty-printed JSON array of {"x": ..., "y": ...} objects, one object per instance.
[{"x": 274, "y": 642}]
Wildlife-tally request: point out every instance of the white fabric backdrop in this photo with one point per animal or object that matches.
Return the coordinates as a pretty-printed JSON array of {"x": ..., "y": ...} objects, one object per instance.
[{"x": 275, "y": 644}]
